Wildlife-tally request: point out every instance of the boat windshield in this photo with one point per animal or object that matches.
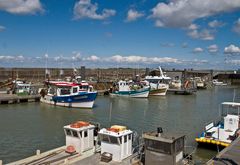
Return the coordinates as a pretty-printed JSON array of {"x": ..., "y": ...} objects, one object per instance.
[{"x": 65, "y": 90}]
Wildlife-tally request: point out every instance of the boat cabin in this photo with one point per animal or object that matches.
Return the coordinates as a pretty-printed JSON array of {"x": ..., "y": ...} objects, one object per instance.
[
  {"x": 80, "y": 135},
  {"x": 22, "y": 88},
  {"x": 116, "y": 141},
  {"x": 163, "y": 148},
  {"x": 123, "y": 86},
  {"x": 62, "y": 89},
  {"x": 84, "y": 86}
]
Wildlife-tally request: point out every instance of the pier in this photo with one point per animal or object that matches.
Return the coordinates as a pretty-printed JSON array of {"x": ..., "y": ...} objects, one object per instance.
[
  {"x": 13, "y": 99},
  {"x": 228, "y": 156}
]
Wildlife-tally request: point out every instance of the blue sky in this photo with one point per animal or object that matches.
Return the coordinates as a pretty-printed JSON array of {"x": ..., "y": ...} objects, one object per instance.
[{"x": 200, "y": 34}]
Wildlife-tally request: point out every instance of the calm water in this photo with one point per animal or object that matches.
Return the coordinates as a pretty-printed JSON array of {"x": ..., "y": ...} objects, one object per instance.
[{"x": 26, "y": 127}]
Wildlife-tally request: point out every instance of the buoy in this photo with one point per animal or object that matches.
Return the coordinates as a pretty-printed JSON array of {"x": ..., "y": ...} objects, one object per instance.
[{"x": 70, "y": 149}]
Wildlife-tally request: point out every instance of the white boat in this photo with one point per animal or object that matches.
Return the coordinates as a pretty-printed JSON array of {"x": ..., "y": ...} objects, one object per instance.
[
  {"x": 69, "y": 95},
  {"x": 158, "y": 84},
  {"x": 83, "y": 146},
  {"x": 226, "y": 130},
  {"x": 199, "y": 83},
  {"x": 175, "y": 84},
  {"x": 218, "y": 83},
  {"x": 129, "y": 89}
]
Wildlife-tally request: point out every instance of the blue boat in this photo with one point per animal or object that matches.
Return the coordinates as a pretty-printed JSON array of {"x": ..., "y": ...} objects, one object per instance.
[
  {"x": 69, "y": 95},
  {"x": 129, "y": 89}
]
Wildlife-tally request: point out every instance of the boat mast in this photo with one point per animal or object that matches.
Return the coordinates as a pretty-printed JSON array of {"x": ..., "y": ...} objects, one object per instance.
[{"x": 161, "y": 72}]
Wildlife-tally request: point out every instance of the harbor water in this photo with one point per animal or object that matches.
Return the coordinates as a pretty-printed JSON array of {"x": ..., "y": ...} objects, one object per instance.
[{"x": 26, "y": 127}]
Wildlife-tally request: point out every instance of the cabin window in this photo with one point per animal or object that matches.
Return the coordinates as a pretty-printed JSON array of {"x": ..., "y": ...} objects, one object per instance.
[
  {"x": 75, "y": 134},
  {"x": 158, "y": 146},
  {"x": 120, "y": 140},
  {"x": 65, "y": 91},
  {"x": 68, "y": 132},
  {"x": 113, "y": 139},
  {"x": 51, "y": 91},
  {"x": 104, "y": 138},
  {"x": 85, "y": 133},
  {"x": 80, "y": 133},
  {"x": 129, "y": 137},
  {"x": 120, "y": 84},
  {"x": 75, "y": 90},
  {"x": 125, "y": 138}
]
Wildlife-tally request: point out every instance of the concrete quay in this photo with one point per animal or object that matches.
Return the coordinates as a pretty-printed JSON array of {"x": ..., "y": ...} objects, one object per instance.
[
  {"x": 228, "y": 156},
  {"x": 13, "y": 99}
]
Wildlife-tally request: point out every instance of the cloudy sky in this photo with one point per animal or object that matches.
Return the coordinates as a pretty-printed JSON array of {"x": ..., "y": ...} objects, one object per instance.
[{"x": 200, "y": 34}]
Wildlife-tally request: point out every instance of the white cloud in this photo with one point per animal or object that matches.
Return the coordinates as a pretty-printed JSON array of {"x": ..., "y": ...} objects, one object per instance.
[
  {"x": 212, "y": 49},
  {"x": 181, "y": 13},
  {"x": 141, "y": 59},
  {"x": 198, "y": 50},
  {"x": 236, "y": 27},
  {"x": 233, "y": 62},
  {"x": 204, "y": 34},
  {"x": 85, "y": 9},
  {"x": 215, "y": 24},
  {"x": 21, "y": 6},
  {"x": 12, "y": 58},
  {"x": 2, "y": 28},
  {"x": 93, "y": 58},
  {"x": 232, "y": 50},
  {"x": 133, "y": 15}
]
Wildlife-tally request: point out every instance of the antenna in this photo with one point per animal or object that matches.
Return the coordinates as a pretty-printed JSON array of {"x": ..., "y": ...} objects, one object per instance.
[{"x": 161, "y": 72}]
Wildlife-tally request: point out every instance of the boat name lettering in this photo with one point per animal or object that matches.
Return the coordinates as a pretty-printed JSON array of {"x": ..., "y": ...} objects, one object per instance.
[{"x": 81, "y": 97}]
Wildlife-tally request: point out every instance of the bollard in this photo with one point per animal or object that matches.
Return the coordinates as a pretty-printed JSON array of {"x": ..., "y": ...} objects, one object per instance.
[{"x": 38, "y": 152}]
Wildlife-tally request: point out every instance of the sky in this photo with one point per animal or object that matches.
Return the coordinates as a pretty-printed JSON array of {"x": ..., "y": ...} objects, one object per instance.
[{"x": 198, "y": 34}]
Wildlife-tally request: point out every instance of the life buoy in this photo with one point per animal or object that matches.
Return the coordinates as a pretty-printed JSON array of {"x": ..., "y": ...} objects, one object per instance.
[
  {"x": 70, "y": 149},
  {"x": 186, "y": 84}
]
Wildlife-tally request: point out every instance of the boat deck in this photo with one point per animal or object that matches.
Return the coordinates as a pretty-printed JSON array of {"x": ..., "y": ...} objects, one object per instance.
[
  {"x": 228, "y": 156},
  {"x": 59, "y": 156}
]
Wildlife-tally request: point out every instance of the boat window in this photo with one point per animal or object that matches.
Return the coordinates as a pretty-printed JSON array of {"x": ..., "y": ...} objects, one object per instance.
[
  {"x": 65, "y": 91},
  {"x": 51, "y": 91},
  {"x": 80, "y": 133},
  {"x": 75, "y": 90},
  {"x": 85, "y": 133},
  {"x": 158, "y": 146},
  {"x": 129, "y": 137},
  {"x": 68, "y": 132},
  {"x": 75, "y": 134},
  {"x": 120, "y": 140},
  {"x": 104, "y": 138},
  {"x": 113, "y": 139},
  {"x": 125, "y": 138}
]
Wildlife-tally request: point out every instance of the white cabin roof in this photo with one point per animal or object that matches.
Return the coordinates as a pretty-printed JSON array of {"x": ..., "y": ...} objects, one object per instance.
[
  {"x": 116, "y": 134},
  {"x": 231, "y": 103},
  {"x": 80, "y": 128},
  {"x": 157, "y": 78}
]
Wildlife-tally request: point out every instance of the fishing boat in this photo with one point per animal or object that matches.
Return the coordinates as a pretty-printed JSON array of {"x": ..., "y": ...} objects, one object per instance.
[
  {"x": 87, "y": 144},
  {"x": 158, "y": 84},
  {"x": 226, "y": 129},
  {"x": 199, "y": 83},
  {"x": 69, "y": 94},
  {"x": 218, "y": 83},
  {"x": 129, "y": 89}
]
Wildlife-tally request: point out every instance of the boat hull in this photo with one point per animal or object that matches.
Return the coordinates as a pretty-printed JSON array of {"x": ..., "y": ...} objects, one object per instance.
[
  {"x": 158, "y": 92},
  {"x": 135, "y": 94},
  {"x": 82, "y": 100}
]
